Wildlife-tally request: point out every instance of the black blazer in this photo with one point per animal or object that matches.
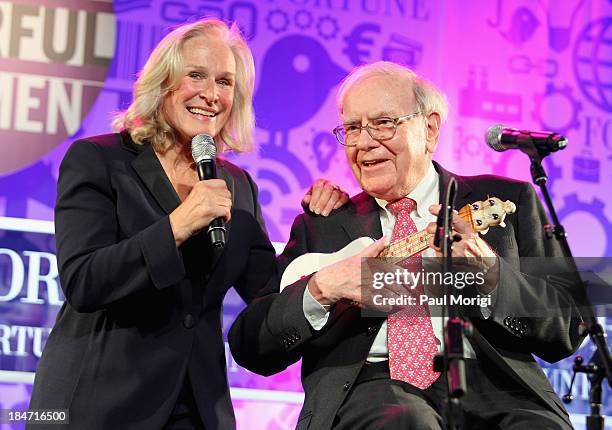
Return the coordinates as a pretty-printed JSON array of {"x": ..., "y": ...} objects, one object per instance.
[
  {"x": 531, "y": 316},
  {"x": 141, "y": 315}
]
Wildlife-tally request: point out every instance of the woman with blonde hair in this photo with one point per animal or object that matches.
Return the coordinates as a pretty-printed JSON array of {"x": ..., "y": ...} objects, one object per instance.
[{"x": 138, "y": 342}]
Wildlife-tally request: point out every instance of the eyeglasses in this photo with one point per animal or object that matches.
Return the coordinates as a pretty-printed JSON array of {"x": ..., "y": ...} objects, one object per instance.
[{"x": 379, "y": 129}]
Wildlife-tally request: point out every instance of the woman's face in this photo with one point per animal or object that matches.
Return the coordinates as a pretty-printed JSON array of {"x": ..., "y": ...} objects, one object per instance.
[{"x": 202, "y": 102}]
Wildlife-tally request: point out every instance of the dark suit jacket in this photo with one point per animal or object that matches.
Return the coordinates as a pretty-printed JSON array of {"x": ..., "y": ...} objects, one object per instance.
[
  {"x": 141, "y": 315},
  {"x": 531, "y": 316}
]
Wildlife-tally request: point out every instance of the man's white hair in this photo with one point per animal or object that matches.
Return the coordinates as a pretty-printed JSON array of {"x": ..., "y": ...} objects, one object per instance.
[{"x": 428, "y": 98}]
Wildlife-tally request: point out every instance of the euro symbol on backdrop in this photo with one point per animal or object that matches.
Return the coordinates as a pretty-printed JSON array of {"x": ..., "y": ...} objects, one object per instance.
[{"x": 356, "y": 39}]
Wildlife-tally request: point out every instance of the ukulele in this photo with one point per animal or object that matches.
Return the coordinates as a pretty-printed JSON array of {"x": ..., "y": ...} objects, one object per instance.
[{"x": 481, "y": 215}]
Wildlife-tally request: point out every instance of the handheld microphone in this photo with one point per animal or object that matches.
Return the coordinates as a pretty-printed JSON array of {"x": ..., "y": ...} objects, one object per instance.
[
  {"x": 532, "y": 143},
  {"x": 204, "y": 150}
]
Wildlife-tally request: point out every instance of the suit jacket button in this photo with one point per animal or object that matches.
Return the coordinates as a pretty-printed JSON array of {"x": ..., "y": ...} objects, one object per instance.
[
  {"x": 371, "y": 330},
  {"x": 346, "y": 386},
  {"x": 189, "y": 321}
]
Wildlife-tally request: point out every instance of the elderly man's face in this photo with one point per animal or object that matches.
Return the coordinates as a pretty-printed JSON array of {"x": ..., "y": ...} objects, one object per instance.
[
  {"x": 202, "y": 102},
  {"x": 389, "y": 169}
]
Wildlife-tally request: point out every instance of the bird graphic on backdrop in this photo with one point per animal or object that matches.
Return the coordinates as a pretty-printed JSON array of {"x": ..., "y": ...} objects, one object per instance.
[
  {"x": 297, "y": 76},
  {"x": 523, "y": 25}
]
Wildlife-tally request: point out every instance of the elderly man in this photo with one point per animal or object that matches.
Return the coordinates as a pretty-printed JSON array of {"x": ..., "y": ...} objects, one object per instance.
[{"x": 374, "y": 372}]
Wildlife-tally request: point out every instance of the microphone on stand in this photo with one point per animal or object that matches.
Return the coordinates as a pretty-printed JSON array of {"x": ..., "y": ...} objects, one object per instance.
[
  {"x": 533, "y": 143},
  {"x": 204, "y": 151}
]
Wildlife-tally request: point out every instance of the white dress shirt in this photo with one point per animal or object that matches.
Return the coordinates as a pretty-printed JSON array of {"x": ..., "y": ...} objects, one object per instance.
[{"x": 426, "y": 193}]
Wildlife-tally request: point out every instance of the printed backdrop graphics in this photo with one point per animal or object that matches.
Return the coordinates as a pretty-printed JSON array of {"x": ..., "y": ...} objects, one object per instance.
[
  {"x": 66, "y": 65},
  {"x": 53, "y": 62}
]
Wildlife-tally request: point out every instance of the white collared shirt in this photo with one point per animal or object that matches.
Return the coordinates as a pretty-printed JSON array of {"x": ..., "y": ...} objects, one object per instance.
[{"x": 426, "y": 193}]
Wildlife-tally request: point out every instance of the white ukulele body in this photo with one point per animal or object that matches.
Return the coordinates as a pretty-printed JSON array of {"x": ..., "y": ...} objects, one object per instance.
[{"x": 306, "y": 264}]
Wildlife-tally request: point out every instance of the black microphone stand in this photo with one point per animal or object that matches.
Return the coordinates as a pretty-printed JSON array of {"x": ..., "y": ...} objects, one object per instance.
[
  {"x": 600, "y": 364},
  {"x": 451, "y": 362}
]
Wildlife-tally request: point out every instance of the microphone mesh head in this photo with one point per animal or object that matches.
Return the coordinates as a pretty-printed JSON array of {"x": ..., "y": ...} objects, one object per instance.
[
  {"x": 493, "y": 137},
  {"x": 203, "y": 148}
]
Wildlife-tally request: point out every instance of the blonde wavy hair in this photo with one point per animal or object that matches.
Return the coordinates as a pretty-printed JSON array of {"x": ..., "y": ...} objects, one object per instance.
[
  {"x": 428, "y": 98},
  {"x": 161, "y": 74}
]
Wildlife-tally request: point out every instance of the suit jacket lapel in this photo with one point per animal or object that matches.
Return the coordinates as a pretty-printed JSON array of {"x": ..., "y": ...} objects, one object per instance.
[
  {"x": 363, "y": 218},
  {"x": 149, "y": 169},
  {"x": 463, "y": 192},
  {"x": 463, "y": 189}
]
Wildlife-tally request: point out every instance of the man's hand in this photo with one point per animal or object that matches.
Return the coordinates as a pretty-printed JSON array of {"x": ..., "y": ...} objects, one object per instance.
[
  {"x": 477, "y": 254},
  {"x": 343, "y": 280},
  {"x": 323, "y": 196}
]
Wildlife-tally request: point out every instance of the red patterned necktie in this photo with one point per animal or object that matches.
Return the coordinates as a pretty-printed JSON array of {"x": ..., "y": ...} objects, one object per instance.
[{"x": 410, "y": 336}]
